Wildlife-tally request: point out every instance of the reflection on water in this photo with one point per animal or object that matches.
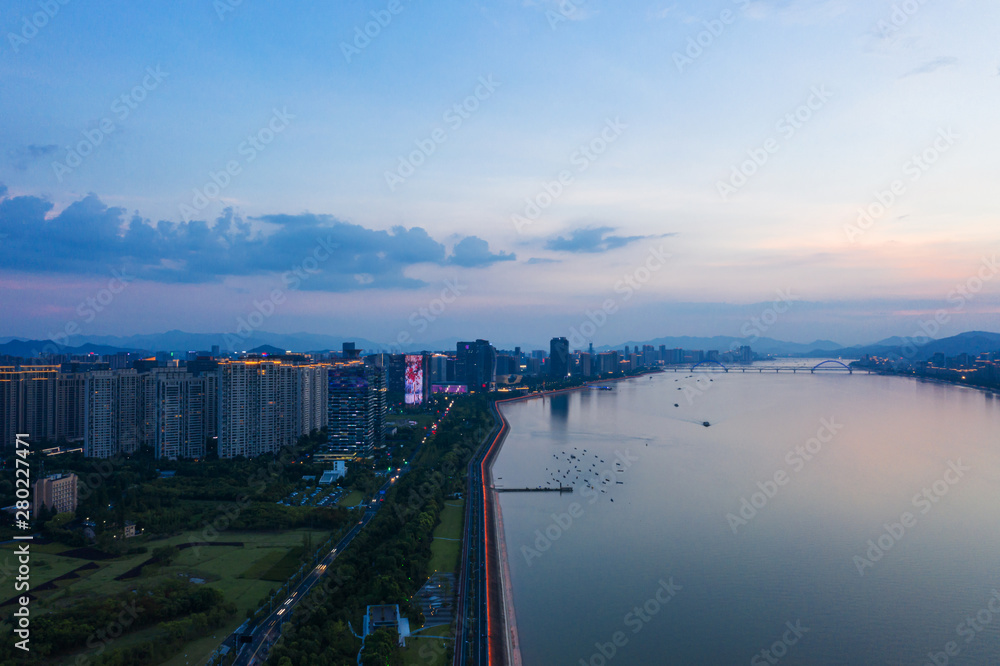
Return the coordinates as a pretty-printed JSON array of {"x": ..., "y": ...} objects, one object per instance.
[
  {"x": 757, "y": 522},
  {"x": 559, "y": 408}
]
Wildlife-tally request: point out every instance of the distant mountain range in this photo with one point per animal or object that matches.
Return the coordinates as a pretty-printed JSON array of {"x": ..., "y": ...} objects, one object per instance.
[
  {"x": 725, "y": 343},
  {"x": 973, "y": 342}
]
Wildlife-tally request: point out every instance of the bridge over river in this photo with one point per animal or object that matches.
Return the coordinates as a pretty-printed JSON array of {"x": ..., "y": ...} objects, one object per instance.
[{"x": 716, "y": 366}]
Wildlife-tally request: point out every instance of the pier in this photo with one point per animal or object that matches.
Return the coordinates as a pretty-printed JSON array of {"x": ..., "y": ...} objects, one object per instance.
[{"x": 539, "y": 489}]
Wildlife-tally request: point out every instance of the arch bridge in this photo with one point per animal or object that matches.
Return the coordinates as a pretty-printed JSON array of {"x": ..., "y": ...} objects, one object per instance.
[
  {"x": 697, "y": 365},
  {"x": 823, "y": 366}
]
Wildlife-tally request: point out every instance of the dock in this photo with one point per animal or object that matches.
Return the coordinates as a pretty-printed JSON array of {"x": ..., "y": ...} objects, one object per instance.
[{"x": 539, "y": 489}]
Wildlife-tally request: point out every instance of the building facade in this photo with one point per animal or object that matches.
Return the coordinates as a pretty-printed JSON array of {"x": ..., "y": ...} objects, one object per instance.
[{"x": 58, "y": 492}]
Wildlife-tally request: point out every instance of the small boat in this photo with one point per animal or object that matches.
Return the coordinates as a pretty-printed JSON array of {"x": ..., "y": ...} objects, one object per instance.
[{"x": 706, "y": 423}]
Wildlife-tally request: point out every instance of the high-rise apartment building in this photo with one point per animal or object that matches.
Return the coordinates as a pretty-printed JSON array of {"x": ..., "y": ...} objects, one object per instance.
[
  {"x": 71, "y": 401},
  {"x": 258, "y": 407},
  {"x": 111, "y": 413},
  {"x": 28, "y": 402},
  {"x": 182, "y": 412}
]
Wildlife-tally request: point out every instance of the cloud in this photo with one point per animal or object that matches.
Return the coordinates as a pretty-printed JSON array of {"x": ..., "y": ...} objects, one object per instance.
[
  {"x": 22, "y": 156},
  {"x": 542, "y": 260},
  {"x": 562, "y": 9},
  {"x": 660, "y": 14},
  {"x": 931, "y": 66},
  {"x": 592, "y": 240},
  {"x": 313, "y": 252},
  {"x": 474, "y": 252}
]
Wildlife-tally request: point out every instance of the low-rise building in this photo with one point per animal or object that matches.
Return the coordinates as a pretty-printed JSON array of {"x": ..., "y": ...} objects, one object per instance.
[{"x": 58, "y": 492}]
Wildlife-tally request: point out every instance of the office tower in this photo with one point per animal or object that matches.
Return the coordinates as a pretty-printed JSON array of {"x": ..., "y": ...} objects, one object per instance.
[
  {"x": 439, "y": 368},
  {"x": 58, "y": 492},
  {"x": 350, "y": 351},
  {"x": 608, "y": 362},
  {"x": 356, "y": 407},
  {"x": 506, "y": 365},
  {"x": 416, "y": 385},
  {"x": 649, "y": 356},
  {"x": 396, "y": 373},
  {"x": 746, "y": 354},
  {"x": 663, "y": 353},
  {"x": 586, "y": 364},
  {"x": 476, "y": 365},
  {"x": 558, "y": 358},
  {"x": 379, "y": 387}
]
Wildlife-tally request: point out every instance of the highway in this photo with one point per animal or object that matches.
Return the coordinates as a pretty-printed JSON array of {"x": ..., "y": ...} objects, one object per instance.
[
  {"x": 267, "y": 632},
  {"x": 472, "y": 616}
]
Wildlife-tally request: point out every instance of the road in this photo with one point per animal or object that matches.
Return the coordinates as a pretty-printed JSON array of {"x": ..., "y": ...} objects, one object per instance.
[
  {"x": 267, "y": 632},
  {"x": 472, "y": 616}
]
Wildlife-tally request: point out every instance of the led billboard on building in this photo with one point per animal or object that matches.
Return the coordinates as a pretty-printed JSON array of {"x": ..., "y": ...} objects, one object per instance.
[{"x": 414, "y": 380}]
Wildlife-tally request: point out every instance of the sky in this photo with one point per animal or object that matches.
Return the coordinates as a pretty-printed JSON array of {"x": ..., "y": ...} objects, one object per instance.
[{"x": 514, "y": 169}]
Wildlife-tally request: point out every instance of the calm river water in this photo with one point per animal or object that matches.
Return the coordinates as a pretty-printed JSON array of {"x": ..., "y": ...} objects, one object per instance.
[{"x": 822, "y": 518}]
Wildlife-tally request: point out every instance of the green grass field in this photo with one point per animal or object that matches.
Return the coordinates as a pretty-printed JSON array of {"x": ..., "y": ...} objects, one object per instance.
[
  {"x": 447, "y": 544},
  {"x": 352, "y": 498},
  {"x": 238, "y": 572},
  {"x": 427, "y": 651}
]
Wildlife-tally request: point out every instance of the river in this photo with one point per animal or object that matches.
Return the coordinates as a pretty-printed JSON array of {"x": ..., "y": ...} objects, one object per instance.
[{"x": 818, "y": 519}]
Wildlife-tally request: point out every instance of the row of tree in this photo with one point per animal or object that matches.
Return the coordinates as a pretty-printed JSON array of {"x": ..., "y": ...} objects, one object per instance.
[{"x": 387, "y": 563}]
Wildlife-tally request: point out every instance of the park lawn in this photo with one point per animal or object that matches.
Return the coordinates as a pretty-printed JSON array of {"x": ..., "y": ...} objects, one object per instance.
[
  {"x": 44, "y": 565},
  {"x": 225, "y": 568},
  {"x": 352, "y": 498},
  {"x": 427, "y": 651},
  {"x": 285, "y": 567},
  {"x": 447, "y": 545}
]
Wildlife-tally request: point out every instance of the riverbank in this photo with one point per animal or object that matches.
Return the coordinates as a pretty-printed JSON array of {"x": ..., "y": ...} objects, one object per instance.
[
  {"x": 496, "y": 556},
  {"x": 947, "y": 382}
]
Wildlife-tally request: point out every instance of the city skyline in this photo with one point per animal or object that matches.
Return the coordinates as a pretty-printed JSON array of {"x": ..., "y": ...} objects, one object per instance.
[{"x": 432, "y": 179}]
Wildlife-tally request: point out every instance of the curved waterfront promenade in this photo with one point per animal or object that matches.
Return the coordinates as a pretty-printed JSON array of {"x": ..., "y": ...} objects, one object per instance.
[{"x": 501, "y": 625}]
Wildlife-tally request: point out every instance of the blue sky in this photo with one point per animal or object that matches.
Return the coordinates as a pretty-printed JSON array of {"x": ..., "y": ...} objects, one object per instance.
[{"x": 227, "y": 141}]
